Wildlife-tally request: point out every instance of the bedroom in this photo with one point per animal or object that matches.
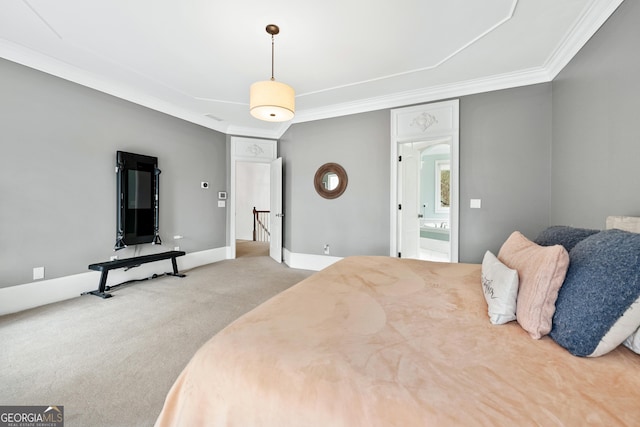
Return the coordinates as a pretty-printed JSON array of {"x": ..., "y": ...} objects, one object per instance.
[{"x": 536, "y": 155}]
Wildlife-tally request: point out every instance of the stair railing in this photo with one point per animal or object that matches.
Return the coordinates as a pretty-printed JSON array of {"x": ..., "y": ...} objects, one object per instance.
[{"x": 261, "y": 226}]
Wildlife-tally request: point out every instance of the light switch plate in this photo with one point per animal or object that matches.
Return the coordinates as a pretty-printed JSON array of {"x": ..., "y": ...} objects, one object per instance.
[
  {"x": 222, "y": 203},
  {"x": 475, "y": 204},
  {"x": 38, "y": 273}
]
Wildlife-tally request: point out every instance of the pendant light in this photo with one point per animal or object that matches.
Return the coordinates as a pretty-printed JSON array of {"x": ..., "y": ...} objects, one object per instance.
[{"x": 270, "y": 100}]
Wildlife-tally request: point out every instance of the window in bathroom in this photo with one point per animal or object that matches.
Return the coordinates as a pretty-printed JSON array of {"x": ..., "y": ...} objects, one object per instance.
[{"x": 443, "y": 177}]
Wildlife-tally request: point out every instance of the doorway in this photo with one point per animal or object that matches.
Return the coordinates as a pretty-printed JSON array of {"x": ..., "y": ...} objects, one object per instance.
[
  {"x": 253, "y": 193},
  {"x": 424, "y": 176},
  {"x": 244, "y": 151}
]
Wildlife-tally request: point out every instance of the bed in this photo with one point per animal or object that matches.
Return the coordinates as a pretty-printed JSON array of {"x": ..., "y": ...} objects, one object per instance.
[{"x": 381, "y": 341}]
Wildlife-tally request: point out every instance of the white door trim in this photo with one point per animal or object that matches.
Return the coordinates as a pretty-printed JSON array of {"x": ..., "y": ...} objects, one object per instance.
[
  {"x": 244, "y": 150},
  {"x": 420, "y": 123},
  {"x": 275, "y": 216}
]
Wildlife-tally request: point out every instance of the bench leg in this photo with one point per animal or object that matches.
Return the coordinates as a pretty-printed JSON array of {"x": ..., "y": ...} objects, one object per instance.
[
  {"x": 174, "y": 263},
  {"x": 101, "y": 288},
  {"x": 103, "y": 280}
]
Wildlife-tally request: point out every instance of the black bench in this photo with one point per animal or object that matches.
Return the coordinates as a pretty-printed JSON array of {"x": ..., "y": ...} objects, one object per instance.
[{"x": 104, "y": 267}]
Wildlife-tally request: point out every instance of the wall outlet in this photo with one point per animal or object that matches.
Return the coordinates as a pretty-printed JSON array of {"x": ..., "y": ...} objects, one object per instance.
[
  {"x": 113, "y": 257},
  {"x": 176, "y": 248},
  {"x": 326, "y": 249},
  {"x": 475, "y": 203},
  {"x": 38, "y": 273}
]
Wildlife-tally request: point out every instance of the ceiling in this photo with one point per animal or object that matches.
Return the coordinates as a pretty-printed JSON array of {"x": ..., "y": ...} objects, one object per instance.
[{"x": 195, "y": 59}]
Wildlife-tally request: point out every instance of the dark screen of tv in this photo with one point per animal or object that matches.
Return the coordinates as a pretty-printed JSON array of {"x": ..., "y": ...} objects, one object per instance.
[{"x": 138, "y": 184}]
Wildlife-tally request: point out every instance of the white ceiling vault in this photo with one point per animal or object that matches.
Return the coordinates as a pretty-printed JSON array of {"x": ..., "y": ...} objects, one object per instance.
[{"x": 195, "y": 59}]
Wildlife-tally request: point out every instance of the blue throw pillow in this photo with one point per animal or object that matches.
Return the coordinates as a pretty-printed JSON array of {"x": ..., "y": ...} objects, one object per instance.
[
  {"x": 563, "y": 235},
  {"x": 598, "y": 305}
]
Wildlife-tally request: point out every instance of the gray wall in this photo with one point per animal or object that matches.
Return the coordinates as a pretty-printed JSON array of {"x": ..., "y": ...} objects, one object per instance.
[
  {"x": 57, "y": 181},
  {"x": 505, "y": 144},
  {"x": 505, "y": 160},
  {"x": 596, "y": 131},
  {"x": 356, "y": 223}
]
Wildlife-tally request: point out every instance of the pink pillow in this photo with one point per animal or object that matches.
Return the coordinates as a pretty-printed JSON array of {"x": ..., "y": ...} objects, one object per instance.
[{"x": 542, "y": 270}]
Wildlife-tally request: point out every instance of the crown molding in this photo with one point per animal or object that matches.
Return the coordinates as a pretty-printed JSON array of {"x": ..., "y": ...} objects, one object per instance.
[
  {"x": 585, "y": 27},
  {"x": 274, "y": 133},
  {"x": 435, "y": 93}
]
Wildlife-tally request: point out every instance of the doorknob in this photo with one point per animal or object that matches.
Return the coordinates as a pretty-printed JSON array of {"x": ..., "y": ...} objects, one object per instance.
[
  {"x": 280, "y": 215},
  {"x": 420, "y": 216}
]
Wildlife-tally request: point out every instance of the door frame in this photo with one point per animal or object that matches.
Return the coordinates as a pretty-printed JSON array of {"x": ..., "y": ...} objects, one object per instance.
[
  {"x": 419, "y": 123},
  {"x": 242, "y": 149},
  {"x": 275, "y": 214}
]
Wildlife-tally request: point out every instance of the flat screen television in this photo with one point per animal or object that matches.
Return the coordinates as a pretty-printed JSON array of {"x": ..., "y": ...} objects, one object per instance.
[{"x": 138, "y": 184}]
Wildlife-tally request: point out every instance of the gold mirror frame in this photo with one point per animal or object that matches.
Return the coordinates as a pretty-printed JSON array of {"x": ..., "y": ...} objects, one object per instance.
[{"x": 342, "y": 180}]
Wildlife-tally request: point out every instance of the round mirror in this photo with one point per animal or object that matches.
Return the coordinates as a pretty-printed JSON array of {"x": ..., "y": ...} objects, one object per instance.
[{"x": 330, "y": 180}]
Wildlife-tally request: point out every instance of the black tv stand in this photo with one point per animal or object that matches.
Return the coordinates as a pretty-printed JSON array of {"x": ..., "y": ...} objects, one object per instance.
[{"x": 104, "y": 267}]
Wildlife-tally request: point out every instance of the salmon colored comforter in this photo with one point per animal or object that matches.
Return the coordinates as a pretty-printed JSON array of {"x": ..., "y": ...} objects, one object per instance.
[{"x": 380, "y": 341}]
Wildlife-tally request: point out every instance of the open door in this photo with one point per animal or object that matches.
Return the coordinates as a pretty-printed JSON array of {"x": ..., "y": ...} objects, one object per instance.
[
  {"x": 276, "y": 215},
  {"x": 409, "y": 201}
]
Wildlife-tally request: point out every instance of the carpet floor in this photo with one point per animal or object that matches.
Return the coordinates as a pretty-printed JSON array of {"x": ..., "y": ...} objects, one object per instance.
[{"x": 111, "y": 362}]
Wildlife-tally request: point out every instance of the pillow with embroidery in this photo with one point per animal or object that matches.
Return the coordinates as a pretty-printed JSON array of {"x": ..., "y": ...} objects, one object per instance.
[{"x": 500, "y": 287}]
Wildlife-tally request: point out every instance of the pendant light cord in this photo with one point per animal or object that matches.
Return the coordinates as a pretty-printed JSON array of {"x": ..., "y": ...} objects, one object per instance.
[{"x": 272, "y": 56}]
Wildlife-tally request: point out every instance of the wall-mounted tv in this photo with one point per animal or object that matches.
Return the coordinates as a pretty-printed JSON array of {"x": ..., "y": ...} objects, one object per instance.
[{"x": 138, "y": 185}]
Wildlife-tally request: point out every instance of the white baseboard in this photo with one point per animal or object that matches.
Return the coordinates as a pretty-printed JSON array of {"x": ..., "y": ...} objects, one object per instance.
[
  {"x": 308, "y": 261},
  {"x": 34, "y": 294},
  {"x": 196, "y": 259}
]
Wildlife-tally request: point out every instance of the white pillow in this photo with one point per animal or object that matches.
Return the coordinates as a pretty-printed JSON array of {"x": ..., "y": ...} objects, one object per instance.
[
  {"x": 500, "y": 287},
  {"x": 633, "y": 341},
  {"x": 631, "y": 224}
]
